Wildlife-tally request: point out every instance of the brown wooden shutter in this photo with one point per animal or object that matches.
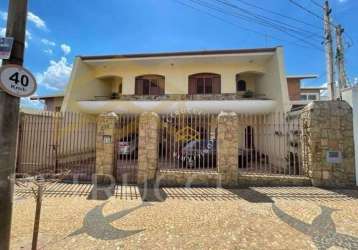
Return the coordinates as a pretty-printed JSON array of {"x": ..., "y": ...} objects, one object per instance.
[
  {"x": 162, "y": 86},
  {"x": 139, "y": 87},
  {"x": 192, "y": 86},
  {"x": 217, "y": 85}
]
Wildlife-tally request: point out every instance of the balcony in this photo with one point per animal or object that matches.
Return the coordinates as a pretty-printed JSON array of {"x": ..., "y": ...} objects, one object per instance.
[{"x": 163, "y": 104}]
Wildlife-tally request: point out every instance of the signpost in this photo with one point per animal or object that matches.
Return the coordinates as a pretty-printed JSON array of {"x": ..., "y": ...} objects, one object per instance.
[
  {"x": 6, "y": 47},
  {"x": 9, "y": 116},
  {"x": 17, "y": 81}
]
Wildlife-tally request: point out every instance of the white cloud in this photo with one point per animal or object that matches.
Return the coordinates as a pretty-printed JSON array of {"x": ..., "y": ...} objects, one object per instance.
[
  {"x": 2, "y": 32},
  {"x": 26, "y": 102},
  {"x": 65, "y": 48},
  {"x": 3, "y": 15},
  {"x": 355, "y": 81},
  {"x": 56, "y": 75},
  {"x": 31, "y": 17},
  {"x": 39, "y": 23},
  {"x": 28, "y": 35},
  {"x": 48, "y": 51},
  {"x": 48, "y": 42}
]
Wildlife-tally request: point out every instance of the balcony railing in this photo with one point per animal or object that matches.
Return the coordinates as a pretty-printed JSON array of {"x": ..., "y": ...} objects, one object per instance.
[{"x": 183, "y": 97}]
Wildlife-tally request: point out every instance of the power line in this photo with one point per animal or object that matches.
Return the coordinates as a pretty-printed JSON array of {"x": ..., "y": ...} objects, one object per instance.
[
  {"x": 317, "y": 4},
  {"x": 280, "y": 14},
  {"x": 349, "y": 44},
  {"x": 237, "y": 25},
  {"x": 346, "y": 36},
  {"x": 306, "y": 9},
  {"x": 226, "y": 21},
  {"x": 271, "y": 21},
  {"x": 277, "y": 24},
  {"x": 258, "y": 20}
]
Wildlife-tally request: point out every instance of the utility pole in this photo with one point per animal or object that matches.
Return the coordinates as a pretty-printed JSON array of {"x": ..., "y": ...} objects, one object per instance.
[
  {"x": 342, "y": 81},
  {"x": 329, "y": 50},
  {"x": 9, "y": 116}
]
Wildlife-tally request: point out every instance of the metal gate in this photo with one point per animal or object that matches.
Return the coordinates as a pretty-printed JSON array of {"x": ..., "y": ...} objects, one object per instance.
[
  {"x": 126, "y": 149},
  {"x": 188, "y": 141},
  {"x": 271, "y": 144},
  {"x": 57, "y": 143}
]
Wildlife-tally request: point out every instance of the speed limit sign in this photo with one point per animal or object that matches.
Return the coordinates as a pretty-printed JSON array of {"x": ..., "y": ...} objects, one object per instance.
[{"x": 17, "y": 81}]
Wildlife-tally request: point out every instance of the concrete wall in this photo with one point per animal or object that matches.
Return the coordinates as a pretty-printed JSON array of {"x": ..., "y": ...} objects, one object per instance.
[
  {"x": 51, "y": 104},
  {"x": 351, "y": 97},
  {"x": 274, "y": 83},
  {"x": 176, "y": 75},
  {"x": 83, "y": 85}
]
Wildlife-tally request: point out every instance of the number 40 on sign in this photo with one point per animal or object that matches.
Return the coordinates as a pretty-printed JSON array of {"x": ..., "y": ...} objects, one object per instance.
[{"x": 17, "y": 81}]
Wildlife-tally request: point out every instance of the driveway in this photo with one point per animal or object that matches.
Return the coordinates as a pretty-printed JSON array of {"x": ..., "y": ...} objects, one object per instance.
[{"x": 189, "y": 218}]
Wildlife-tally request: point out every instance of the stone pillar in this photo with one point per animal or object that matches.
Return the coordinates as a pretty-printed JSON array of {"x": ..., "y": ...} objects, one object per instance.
[
  {"x": 105, "y": 144},
  {"x": 228, "y": 148},
  {"x": 328, "y": 126},
  {"x": 149, "y": 124}
]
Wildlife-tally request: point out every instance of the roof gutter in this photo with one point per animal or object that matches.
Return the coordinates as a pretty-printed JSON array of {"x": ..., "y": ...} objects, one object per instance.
[{"x": 176, "y": 54}]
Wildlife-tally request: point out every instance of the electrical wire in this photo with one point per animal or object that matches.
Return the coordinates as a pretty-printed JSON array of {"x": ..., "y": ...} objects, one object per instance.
[
  {"x": 317, "y": 4},
  {"x": 280, "y": 14},
  {"x": 271, "y": 21},
  {"x": 258, "y": 20},
  {"x": 306, "y": 10},
  {"x": 236, "y": 24},
  {"x": 277, "y": 24}
]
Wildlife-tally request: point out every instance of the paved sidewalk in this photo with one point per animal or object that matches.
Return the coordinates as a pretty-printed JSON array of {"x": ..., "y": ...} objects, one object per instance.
[{"x": 198, "y": 218}]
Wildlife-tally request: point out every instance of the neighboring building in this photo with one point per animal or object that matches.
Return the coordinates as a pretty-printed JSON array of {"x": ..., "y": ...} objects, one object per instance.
[
  {"x": 301, "y": 96},
  {"x": 51, "y": 102},
  {"x": 246, "y": 80},
  {"x": 350, "y": 95}
]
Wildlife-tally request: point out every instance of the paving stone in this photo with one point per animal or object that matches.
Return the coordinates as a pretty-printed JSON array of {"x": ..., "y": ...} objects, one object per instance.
[{"x": 190, "y": 218}]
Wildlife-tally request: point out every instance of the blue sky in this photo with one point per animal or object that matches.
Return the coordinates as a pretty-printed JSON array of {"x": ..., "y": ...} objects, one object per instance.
[{"x": 60, "y": 30}]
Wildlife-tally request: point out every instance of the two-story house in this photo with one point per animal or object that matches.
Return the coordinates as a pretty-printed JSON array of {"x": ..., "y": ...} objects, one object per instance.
[
  {"x": 51, "y": 102},
  {"x": 301, "y": 96},
  {"x": 243, "y": 81}
]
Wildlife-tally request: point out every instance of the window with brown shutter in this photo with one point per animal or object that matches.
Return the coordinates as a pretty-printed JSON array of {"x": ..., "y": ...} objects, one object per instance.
[
  {"x": 150, "y": 85},
  {"x": 204, "y": 84}
]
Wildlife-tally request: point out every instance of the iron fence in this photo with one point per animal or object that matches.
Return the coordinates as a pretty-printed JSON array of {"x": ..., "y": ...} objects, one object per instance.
[
  {"x": 188, "y": 141},
  {"x": 270, "y": 144},
  {"x": 54, "y": 142},
  {"x": 126, "y": 149}
]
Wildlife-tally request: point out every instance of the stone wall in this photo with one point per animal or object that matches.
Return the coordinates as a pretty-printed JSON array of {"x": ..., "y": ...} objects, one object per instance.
[
  {"x": 328, "y": 125},
  {"x": 105, "y": 144},
  {"x": 184, "y": 178},
  {"x": 262, "y": 180},
  {"x": 149, "y": 124},
  {"x": 228, "y": 148},
  {"x": 214, "y": 179}
]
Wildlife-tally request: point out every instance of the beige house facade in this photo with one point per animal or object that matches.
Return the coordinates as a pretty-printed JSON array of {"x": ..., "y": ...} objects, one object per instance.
[
  {"x": 205, "y": 117},
  {"x": 245, "y": 81}
]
